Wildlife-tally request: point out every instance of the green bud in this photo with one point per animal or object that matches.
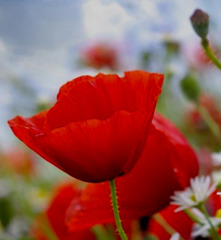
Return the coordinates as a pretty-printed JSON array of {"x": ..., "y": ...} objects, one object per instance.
[
  {"x": 190, "y": 87},
  {"x": 200, "y": 23}
]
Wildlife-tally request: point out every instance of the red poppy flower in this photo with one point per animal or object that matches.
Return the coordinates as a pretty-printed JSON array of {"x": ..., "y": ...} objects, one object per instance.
[
  {"x": 54, "y": 221},
  {"x": 166, "y": 164},
  {"x": 97, "y": 129}
]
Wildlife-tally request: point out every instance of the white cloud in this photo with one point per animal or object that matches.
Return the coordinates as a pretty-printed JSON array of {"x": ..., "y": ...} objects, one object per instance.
[{"x": 105, "y": 20}]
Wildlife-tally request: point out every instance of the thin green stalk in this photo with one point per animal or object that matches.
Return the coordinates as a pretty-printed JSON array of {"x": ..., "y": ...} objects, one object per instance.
[
  {"x": 208, "y": 51},
  {"x": 210, "y": 122},
  {"x": 47, "y": 229},
  {"x": 116, "y": 210},
  {"x": 212, "y": 228},
  {"x": 192, "y": 216}
]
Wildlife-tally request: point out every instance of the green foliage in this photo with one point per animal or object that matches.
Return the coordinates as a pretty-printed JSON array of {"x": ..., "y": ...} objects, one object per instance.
[{"x": 6, "y": 211}]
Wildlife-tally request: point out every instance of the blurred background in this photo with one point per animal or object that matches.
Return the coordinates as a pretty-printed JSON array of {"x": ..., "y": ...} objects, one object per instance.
[{"x": 45, "y": 43}]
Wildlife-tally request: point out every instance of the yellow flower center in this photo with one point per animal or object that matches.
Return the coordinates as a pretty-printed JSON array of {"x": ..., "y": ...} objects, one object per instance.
[
  {"x": 193, "y": 197},
  {"x": 218, "y": 213}
]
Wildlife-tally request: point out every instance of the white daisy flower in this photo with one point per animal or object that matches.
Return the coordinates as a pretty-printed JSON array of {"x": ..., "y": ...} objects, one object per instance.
[
  {"x": 203, "y": 228},
  {"x": 200, "y": 189},
  {"x": 176, "y": 236}
]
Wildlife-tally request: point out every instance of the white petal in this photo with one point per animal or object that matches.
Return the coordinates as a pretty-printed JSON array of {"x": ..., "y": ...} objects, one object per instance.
[{"x": 176, "y": 236}]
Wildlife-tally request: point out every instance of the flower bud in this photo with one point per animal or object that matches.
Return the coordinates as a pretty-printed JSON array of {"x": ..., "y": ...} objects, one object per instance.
[
  {"x": 190, "y": 88},
  {"x": 200, "y": 23}
]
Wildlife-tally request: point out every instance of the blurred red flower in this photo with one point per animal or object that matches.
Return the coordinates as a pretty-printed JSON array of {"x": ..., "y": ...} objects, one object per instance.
[
  {"x": 19, "y": 161},
  {"x": 52, "y": 223},
  {"x": 166, "y": 164},
  {"x": 101, "y": 54},
  {"x": 97, "y": 129}
]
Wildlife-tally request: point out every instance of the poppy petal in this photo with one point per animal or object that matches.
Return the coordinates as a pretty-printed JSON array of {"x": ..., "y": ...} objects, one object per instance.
[
  {"x": 26, "y": 128},
  {"x": 56, "y": 214},
  {"x": 182, "y": 155},
  {"x": 101, "y": 96},
  {"x": 104, "y": 140},
  {"x": 168, "y": 222},
  {"x": 145, "y": 189}
]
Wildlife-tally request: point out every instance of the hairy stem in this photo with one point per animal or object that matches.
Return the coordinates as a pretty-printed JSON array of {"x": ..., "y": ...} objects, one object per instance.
[{"x": 116, "y": 210}]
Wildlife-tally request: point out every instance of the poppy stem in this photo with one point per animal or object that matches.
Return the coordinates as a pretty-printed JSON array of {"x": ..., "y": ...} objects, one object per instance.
[
  {"x": 192, "y": 216},
  {"x": 116, "y": 210},
  {"x": 208, "y": 51}
]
